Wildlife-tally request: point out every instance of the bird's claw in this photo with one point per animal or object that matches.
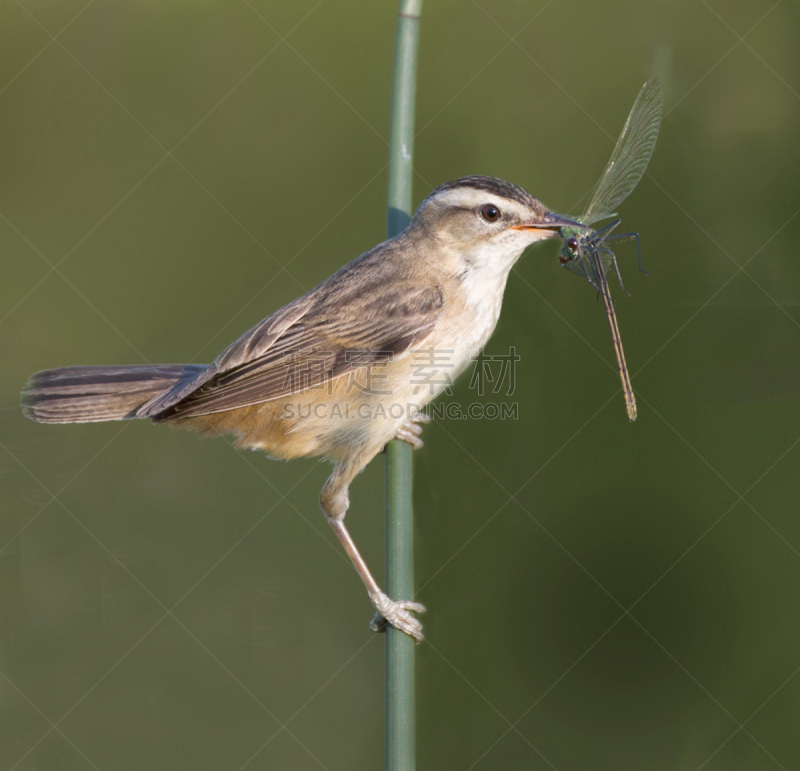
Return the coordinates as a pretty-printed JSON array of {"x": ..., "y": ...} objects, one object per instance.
[
  {"x": 397, "y": 613},
  {"x": 411, "y": 429}
]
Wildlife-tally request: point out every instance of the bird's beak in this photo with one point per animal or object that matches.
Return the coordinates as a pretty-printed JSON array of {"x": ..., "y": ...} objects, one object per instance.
[{"x": 550, "y": 221}]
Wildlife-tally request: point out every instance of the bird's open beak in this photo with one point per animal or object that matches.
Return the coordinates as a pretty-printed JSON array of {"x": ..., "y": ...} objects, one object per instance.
[{"x": 551, "y": 221}]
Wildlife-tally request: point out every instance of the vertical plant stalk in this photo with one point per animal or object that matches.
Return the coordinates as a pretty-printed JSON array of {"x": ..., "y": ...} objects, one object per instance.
[{"x": 400, "y": 707}]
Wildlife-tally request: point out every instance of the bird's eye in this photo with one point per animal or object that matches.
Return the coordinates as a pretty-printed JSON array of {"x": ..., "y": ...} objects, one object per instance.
[
  {"x": 572, "y": 243},
  {"x": 490, "y": 212}
]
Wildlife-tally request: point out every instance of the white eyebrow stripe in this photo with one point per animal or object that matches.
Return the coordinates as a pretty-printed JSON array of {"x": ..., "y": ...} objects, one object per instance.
[{"x": 468, "y": 197}]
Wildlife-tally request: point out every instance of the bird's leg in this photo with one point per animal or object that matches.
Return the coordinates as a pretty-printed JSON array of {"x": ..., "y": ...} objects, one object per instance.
[
  {"x": 335, "y": 501},
  {"x": 411, "y": 429}
]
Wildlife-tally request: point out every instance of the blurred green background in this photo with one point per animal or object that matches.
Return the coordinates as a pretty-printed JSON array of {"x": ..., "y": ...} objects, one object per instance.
[{"x": 601, "y": 595}]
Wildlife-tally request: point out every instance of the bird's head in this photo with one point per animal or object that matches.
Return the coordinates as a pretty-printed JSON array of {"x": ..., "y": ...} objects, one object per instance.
[{"x": 486, "y": 221}]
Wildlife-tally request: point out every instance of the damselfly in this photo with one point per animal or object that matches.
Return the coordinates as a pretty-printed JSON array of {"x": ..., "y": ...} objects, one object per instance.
[{"x": 586, "y": 251}]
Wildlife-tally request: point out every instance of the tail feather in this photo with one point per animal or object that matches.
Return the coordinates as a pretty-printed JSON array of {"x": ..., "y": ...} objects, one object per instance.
[{"x": 94, "y": 394}]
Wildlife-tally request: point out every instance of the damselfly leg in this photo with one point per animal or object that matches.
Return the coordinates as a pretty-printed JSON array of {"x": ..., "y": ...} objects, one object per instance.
[{"x": 638, "y": 247}]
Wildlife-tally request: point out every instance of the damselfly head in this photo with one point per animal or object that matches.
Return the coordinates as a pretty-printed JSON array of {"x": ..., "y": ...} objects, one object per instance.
[
  {"x": 571, "y": 238},
  {"x": 569, "y": 251}
]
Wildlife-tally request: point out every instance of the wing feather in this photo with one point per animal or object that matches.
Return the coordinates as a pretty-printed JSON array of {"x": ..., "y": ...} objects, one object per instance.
[{"x": 337, "y": 328}]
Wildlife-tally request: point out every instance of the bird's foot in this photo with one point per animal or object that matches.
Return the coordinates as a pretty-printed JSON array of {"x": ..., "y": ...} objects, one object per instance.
[
  {"x": 397, "y": 613},
  {"x": 411, "y": 429}
]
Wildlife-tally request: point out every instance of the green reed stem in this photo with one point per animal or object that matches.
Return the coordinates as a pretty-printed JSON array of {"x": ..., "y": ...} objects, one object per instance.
[{"x": 400, "y": 707}]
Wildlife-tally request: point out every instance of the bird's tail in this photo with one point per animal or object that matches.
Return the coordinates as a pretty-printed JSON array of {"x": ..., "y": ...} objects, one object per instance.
[{"x": 93, "y": 394}]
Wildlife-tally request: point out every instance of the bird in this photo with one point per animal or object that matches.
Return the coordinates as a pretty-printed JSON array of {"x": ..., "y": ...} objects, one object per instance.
[{"x": 347, "y": 367}]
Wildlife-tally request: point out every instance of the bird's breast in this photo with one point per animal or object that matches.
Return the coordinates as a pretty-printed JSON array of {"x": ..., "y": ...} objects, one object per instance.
[{"x": 472, "y": 309}]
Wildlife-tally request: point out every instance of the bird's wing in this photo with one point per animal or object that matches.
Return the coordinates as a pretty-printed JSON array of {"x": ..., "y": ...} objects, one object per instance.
[{"x": 338, "y": 328}]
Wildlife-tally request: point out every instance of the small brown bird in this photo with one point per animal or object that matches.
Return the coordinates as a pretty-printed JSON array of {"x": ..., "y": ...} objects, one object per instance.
[{"x": 348, "y": 366}]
